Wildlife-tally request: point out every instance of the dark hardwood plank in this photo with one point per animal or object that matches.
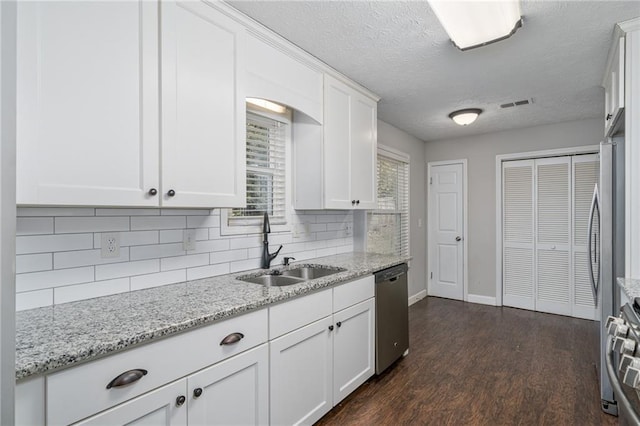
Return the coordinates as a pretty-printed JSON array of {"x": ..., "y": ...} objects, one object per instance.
[{"x": 472, "y": 364}]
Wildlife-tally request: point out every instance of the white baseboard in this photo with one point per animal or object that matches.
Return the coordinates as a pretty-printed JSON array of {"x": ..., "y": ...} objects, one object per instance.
[
  {"x": 418, "y": 296},
  {"x": 483, "y": 300}
]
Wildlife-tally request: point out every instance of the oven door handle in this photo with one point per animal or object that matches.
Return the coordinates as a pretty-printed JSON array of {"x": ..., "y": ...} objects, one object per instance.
[{"x": 615, "y": 384}]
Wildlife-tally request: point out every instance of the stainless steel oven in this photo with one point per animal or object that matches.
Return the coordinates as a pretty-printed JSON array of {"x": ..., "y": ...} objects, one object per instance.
[{"x": 623, "y": 361}]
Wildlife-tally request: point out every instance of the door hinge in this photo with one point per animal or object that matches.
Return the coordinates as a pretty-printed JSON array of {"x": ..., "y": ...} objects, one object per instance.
[
  {"x": 430, "y": 181},
  {"x": 432, "y": 275}
]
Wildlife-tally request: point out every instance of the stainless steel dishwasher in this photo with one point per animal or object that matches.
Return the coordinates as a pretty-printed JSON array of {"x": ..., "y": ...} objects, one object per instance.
[{"x": 392, "y": 315}]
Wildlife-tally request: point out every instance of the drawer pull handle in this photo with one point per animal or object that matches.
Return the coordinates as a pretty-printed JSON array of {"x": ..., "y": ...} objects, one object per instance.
[
  {"x": 127, "y": 378},
  {"x": 232, "y": 338}
]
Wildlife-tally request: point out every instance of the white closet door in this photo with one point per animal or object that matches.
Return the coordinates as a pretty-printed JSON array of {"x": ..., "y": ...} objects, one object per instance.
[
  {"x": 553, "y": 225},
  {"x": 585, "y": 175},
  {"x": 518, "y": 234}
]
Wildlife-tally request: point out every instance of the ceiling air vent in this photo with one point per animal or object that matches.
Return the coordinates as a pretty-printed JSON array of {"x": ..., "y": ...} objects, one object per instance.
[{"x": 517, "y": 103}]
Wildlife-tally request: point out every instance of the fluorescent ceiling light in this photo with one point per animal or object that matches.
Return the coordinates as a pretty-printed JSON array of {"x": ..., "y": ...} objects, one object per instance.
[
  {"x": 473, "y": 24},
  {"x": 464, "y": 117},
  {"x": 271, "y": 106}
]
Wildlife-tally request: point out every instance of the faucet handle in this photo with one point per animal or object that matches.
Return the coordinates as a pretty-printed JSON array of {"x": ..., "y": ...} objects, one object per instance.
[{"x": 286, "y": 260}]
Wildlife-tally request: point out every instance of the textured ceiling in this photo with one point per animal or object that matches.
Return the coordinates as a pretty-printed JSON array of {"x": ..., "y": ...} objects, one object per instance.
[{"x": 400, "y": 51}]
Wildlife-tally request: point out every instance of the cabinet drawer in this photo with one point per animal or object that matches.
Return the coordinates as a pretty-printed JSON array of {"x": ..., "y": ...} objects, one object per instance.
[
  {"x": 81, "y": 391},
  {"x": 297, "y": 313},
  {"x": 349, "y": 294}
]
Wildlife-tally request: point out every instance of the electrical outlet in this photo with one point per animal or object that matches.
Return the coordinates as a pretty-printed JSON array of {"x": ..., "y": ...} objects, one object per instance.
[
  {"x": 110, "y": 245},
  {"x": 349, "y": 229},
  {"x": 189, "y": 239}
]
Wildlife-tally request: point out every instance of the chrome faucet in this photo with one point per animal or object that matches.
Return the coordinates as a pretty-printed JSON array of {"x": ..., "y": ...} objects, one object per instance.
[{"x": 265, "y": 262}]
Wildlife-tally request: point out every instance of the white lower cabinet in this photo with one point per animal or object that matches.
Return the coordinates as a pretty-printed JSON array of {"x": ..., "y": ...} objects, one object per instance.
[
  {"x": 232, "y": 392},
  {"x": 353, "y": 348},
  {"x": 301, "y": 373},
  {"x": 227, "y": 373},
  {"x": 164, "y": 406},
  {"x": 316, "y": 366}
]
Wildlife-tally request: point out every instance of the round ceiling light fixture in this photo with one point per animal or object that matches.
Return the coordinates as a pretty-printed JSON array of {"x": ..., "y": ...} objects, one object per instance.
[{"x": 464, "y": 117}]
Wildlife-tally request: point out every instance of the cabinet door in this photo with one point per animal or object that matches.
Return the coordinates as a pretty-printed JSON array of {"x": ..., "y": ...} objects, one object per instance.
[
  {"x": 614, "y": 89},
  {"x": 232, "y": 392},
  {"x": 301, "y": 374},
  {"x": 364, "y": 149},
  {"x": 87, "y": 107},
  {"x": 203, "y": 107},
  {"x": 553, "y": 236},
  {"x": 337, "y": 151},
  {"x": 158, "y": 407},
  {"x": 353, "y": 348}
]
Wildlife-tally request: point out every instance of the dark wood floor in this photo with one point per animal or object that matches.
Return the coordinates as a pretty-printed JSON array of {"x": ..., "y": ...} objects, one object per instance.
[{"x": 472, "y": 364}]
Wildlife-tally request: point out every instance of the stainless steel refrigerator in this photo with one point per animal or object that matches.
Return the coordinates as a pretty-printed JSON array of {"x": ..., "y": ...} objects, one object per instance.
[{"x": 606, "y": 250}]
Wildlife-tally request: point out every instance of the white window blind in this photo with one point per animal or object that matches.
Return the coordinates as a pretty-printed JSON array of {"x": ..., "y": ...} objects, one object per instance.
[
  {"x": 266, "y": 177},
  {"x": 388, "y": 225}
]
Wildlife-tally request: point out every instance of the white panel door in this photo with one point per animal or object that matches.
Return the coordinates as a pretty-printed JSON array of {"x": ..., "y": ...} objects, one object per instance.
[
  {"x": 301, "y": 365},
  {"x": 203, "y": 107},
  {"x": 554, "y": 269},
  {"x": 586, "y": 171},
  {"x": 232, "y": 392},
  {"x": 87, "y": 106},
  {"x": 518, "y": 272},
  {"x": 353, "y": 348},
  {"x": 446, "y": 245},
  {"x": 337, "y": 151},
  {"x": 364, "y": 150},
  {"x": 158, "y": 407}
]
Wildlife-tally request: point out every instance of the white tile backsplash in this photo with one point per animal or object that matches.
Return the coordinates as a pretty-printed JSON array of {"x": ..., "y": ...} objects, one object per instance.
[
  {"x": 34, "y": 299},
  {"x": 34, "y": 262},
  {"x": 59, "y": 258},
  {"x": 34, "y": 225},
  {"x": 71, "y": 293},
  {"x": 75, "y": 225},
  {"x": 52, "y": 243},
  {"x": 161, "y": 278},
  {"x": 127, "y": 269}
]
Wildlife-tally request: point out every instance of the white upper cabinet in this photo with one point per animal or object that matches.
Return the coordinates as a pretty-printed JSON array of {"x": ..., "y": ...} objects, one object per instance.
[
  {"x": 343, "y": 174},
  {"x": 614, "y": 88},
  {"x": 203, "y": 107},
  {"x": 277, "y": 74},
  {"x": 92, "y": 128},
  {"x": 87, "y": 103},
  {"x": 350, "y": 145}
]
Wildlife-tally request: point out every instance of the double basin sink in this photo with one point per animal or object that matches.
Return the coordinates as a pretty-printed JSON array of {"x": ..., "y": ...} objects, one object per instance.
[{"x": 278, "y": 278}]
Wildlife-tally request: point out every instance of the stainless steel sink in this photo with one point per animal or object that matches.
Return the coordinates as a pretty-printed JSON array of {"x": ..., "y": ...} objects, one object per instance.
[
  {"x": 310, "y": 272},
  {"x": 272, "y": 280},
  {"x": 279, "y": 278}
]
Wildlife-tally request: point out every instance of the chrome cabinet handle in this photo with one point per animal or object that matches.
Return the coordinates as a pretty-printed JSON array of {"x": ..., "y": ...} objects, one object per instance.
[
  {"x": 171, "y": 193},
  {"x": 153, "y": 191},
  {"x": 180, "y": 400},
  {"x": 232, "y": 338},
  {"x": 127, "y": 378},
  {"x": 339, "y": 323},
  {"x": 458, "y": 238},
  {"x": 331, "y": 328},
  {"x": 197, "y": 392}
]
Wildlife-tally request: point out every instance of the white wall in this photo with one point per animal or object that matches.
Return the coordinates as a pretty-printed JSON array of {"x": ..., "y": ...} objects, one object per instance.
[
  {"x": 58, "y": 249},
  {"x": 481, "y": 151},
  {"x": 7, "y": 208},
  {"x": 415, "y": 148}
]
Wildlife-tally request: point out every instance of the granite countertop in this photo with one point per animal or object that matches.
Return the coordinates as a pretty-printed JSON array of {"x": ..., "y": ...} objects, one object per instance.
[
  {"x": 55, "y": 337},
  {"x": 631, "y": 287}
]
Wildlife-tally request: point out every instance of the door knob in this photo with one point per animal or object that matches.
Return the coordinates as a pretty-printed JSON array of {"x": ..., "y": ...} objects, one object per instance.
[{"x": 458, "y": 239}]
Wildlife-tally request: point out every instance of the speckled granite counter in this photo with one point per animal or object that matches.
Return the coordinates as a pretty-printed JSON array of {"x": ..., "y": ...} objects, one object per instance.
[
  {"x": 55, "y": 337},
  {"x": 630, "y": 286}
]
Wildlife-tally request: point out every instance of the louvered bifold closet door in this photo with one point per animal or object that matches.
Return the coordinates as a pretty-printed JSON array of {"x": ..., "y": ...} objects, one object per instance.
[
  {"x": 586, "y": 170},
  {"x": 518, "y": 234},
  {"x": 553, "y": 225}
]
